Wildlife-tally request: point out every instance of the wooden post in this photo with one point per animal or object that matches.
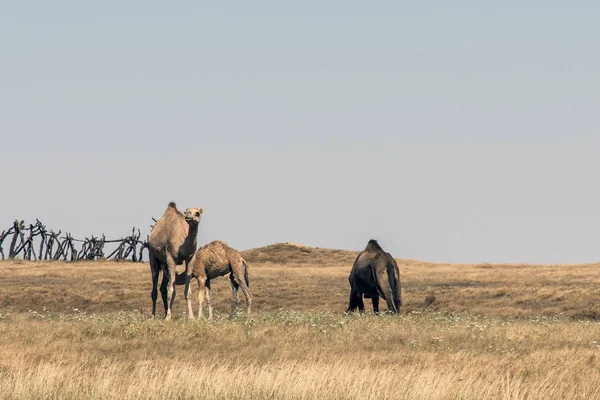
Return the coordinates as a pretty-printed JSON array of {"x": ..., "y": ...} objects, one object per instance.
[
  {"x": 42, "y": 230},
  {"x": 17, "y": 226},
  {"x": 2, "y": 237}
]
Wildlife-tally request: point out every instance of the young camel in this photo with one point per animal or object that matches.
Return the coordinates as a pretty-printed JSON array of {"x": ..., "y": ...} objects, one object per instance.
[
  {"x": 172, "y": 242},
  {"x": 211, "y": 261}
]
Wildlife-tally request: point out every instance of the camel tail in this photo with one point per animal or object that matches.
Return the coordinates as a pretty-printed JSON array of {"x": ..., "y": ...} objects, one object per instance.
[{"x": 246, "y": 272}]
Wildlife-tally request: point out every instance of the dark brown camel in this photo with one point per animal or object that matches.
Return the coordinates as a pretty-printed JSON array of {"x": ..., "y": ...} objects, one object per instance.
[{"x": 374, "y": 274}]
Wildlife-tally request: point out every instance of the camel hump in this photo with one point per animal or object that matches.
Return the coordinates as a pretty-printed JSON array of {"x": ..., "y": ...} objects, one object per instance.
[
  {"x": 172, "y": 207},
  {"x": 373, "y": 245}
]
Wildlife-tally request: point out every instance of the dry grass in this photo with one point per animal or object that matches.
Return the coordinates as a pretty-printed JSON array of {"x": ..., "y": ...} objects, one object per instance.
[{"x": 83, "y": 330}]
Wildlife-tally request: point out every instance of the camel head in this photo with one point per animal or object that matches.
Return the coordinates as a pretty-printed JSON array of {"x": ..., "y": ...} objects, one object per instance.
[{"x": 192, "y": 215}]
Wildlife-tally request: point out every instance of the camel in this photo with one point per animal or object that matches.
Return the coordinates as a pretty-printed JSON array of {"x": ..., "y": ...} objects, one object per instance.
[
  {"x": 374, "y": 273},
  {"x": 172, "y": 241},
  {"x": 211, "y": 261}
]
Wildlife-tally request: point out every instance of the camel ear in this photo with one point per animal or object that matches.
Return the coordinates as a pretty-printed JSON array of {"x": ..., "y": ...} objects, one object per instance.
[{"x": 201, "y": 210}]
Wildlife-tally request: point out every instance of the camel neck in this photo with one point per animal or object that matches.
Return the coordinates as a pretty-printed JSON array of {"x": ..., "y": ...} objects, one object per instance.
[{"x": 192, "y": 235}]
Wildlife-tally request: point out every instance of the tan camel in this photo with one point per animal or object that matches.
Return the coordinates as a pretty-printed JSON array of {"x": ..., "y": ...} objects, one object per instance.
[
  {"x": 172, "y": 242},
  {"x": 211, "y": 261},
  {"x": 374, "y": 273}
]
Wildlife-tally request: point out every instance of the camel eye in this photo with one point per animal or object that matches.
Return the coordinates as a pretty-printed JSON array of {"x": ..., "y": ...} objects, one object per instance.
[{"x": 197, "y": 214}]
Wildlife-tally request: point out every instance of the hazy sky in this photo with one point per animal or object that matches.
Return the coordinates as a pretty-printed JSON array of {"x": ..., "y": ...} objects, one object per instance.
[{"x": 462, "y": 131}]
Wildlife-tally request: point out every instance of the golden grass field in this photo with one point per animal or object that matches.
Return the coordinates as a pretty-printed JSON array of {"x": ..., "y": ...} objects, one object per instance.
[{"x": 84, "y": 330}]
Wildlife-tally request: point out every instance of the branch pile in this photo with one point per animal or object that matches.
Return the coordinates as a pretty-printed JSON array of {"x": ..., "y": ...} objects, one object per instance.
[{"x": 35, "y": 242}]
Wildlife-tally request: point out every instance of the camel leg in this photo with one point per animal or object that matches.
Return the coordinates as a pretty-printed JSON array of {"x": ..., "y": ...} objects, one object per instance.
[
  {"x": 360, "y": 303},
  {"x": 398, "y": 303},
  {"x": 356, "y": 301},
  {"x": 155, "y": 270},
  {"x": 398, "y": 297},
  {"x": 351, "y": 302},
  {"x": 163, "y": 291},
  {"x": 201, "y": 290},
  {"x": 237, "y": 271},
  {"x": 247, "y": 295},
  {"x": 375, "y": 301},
  {"x": 209, "y": 299},
  {"x": 171, "y": 271},
  {"x": 234, "y": 292},
  {"x": 188, "y": 296}
]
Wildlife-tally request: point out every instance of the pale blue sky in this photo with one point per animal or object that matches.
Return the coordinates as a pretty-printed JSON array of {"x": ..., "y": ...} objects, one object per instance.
[{"x": 450, "y": 131}]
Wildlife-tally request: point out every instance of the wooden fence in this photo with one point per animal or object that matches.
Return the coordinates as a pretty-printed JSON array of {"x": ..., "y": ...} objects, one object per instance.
[{"x": 35, "y": 242}]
